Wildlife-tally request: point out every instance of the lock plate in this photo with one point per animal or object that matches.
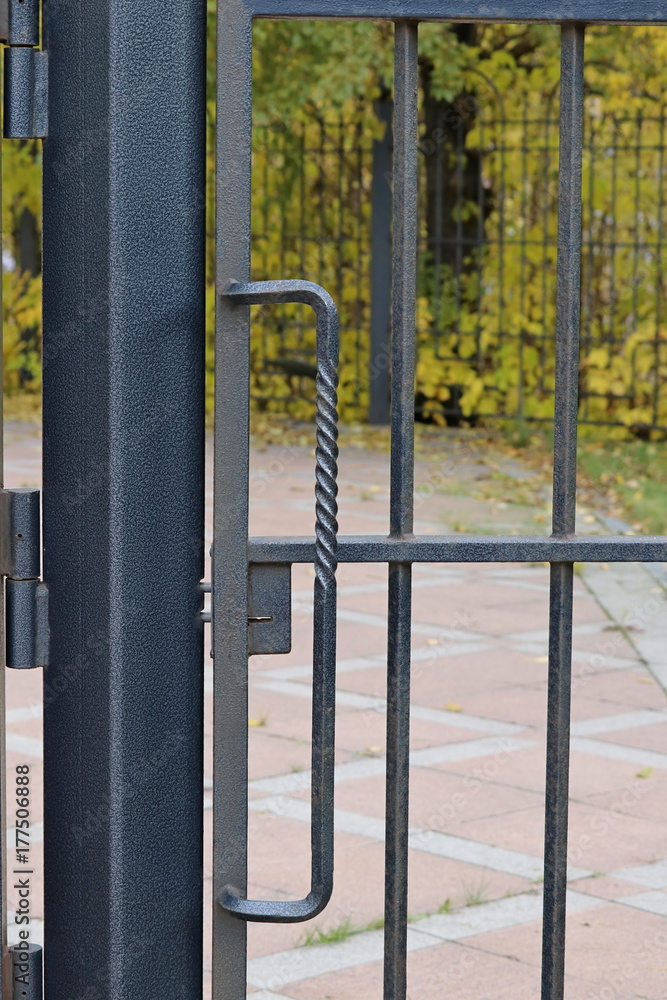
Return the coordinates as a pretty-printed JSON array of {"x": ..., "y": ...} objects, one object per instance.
[{"x": 269, "y": 608}]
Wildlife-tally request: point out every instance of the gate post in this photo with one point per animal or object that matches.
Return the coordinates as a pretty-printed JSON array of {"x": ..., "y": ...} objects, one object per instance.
[
  {"x": 123, "y": 498},
  {"x": 381, "y": 199}
]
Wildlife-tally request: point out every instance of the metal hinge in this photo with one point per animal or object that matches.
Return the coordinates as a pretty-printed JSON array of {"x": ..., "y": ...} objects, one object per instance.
[
  {"x": 26, "y": 596},
  {"x": 26, "y": 95}
]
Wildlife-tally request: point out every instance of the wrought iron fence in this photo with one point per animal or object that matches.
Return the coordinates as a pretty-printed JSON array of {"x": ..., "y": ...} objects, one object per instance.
[
  {"x": 488, "y": 222},
  {"x": 312, "y": 182}
]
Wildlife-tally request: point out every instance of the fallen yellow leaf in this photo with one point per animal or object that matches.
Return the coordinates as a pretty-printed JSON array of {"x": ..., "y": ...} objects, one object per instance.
[{"x": 451, "y": 706}]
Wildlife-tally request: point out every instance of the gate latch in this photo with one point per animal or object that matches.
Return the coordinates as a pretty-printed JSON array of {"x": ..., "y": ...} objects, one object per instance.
[
  {"x": 269, "y": 608},
  {"x": 26, "y": 596},
  {"x": 26, "y": 71}
]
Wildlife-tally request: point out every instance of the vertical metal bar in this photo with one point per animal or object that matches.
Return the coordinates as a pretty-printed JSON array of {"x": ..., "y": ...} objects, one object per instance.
[
  {"x": 613, "y": 242},
  {"x": 568, "y": 304},
  {"x": 338, "y": 222},
  {"x": 230, "y": 510},
  {"x": 404, "y": 288},
  {"x": 501, "y": 225},
  {"x": 658, "y": 277},
  {"x": 545, "y": 263},
  {"x": 123, "y": 498},
  {"x": 360, "y": 246},
  {"x": 459, "y": 203},
  {"x": 590, "y": 257},
  {"x": 479, "y": 246},
  {"x": 322, "y": 186},
  {"x": 3, "y": 749},
  {"x": 378, "y": 408},
  {"x": 435, "y": 245},
  {"x": 523, "y": 246}
]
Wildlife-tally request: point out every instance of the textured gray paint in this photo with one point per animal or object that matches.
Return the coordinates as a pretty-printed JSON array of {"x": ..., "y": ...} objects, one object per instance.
[
  {"x": 467, "y": 548},
  {"x": 123, "y": 499},
  {"x": 610, "y": 12}
]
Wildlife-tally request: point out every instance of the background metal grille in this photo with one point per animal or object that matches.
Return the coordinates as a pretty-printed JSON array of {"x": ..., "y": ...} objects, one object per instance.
[{"x": 487, "y": 259}]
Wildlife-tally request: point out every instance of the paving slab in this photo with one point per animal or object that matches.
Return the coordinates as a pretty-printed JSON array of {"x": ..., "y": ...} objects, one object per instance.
[{"x": 479, "y": 687}]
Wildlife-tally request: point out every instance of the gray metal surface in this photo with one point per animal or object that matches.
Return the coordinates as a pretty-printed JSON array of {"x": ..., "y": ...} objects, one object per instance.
[
  {"x": 269, "y": 609},
  {"x": 23, "y": 22},
  {"x": 25, "y": 73},
  {"x": 25, "y": 93},
  {"x": 123, "y": 265},
  {"x": 26, "y": 966},
  {"x": 26, "y": 616},
  {"x": 401, "y": 504},
  {"x": 466, "y": 548},
  {"x": 612, "y": 12},
  {"x": 229, "y": 601},
  {"x": 21, "y": 536},
  {"x": 5, "y": 528},
  {"x": 568, "y": 319},
  {"x": 27, "y": 630},
  {"x": 380, "y": 274}
]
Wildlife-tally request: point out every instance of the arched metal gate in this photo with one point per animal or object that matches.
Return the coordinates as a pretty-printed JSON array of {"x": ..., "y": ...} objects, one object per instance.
[{"x": 123, "y": 488}]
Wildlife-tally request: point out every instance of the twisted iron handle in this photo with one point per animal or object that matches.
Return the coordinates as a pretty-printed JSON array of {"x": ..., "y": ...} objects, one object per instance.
[{"x": 324, "y": 611}]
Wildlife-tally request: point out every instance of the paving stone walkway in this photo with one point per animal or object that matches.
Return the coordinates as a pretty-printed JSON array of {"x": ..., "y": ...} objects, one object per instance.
[{"x": 478, "y": 734}]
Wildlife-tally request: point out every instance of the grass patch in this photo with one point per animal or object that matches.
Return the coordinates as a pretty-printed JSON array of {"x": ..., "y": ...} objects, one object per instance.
[
  {"x": 476, "y": 895},
  {"x": 345, "y": 930},
  {"x": 316, "y": 935},
  {"x": 342, "y": 932},
  {"x": 628, "y": 479}
]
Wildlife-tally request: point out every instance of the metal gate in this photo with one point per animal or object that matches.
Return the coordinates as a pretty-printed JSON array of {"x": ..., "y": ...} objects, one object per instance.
[
  {"x": 123, "y": 489},
  {"x": 250, "y": 605}
]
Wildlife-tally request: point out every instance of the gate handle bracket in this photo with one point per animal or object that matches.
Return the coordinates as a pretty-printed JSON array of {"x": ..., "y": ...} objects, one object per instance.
[{"x": 324, "y": 610}]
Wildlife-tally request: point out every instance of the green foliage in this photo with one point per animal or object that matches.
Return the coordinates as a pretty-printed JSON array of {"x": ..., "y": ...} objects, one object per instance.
[
  {"x": 21, "y": 293},
  {"x": 491, "y": 334},
  {"x": 476, "y": 895},
  {"x": 311, "y": 219},
  {"x": 303, "y": 65},
  {"x": 627, "y": 479},
  {"x": 21, "y": 303},
  {"x": 318, "y": 936}
]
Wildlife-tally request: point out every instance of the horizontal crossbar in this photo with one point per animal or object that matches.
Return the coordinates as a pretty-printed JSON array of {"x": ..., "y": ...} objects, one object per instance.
[
  {"x": 550, "y": 11},
  {"x": 465, "y": 548}
]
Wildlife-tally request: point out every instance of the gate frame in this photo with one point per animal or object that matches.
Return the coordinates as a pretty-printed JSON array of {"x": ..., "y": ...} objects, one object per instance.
[{"x": 235, "y": 554}]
